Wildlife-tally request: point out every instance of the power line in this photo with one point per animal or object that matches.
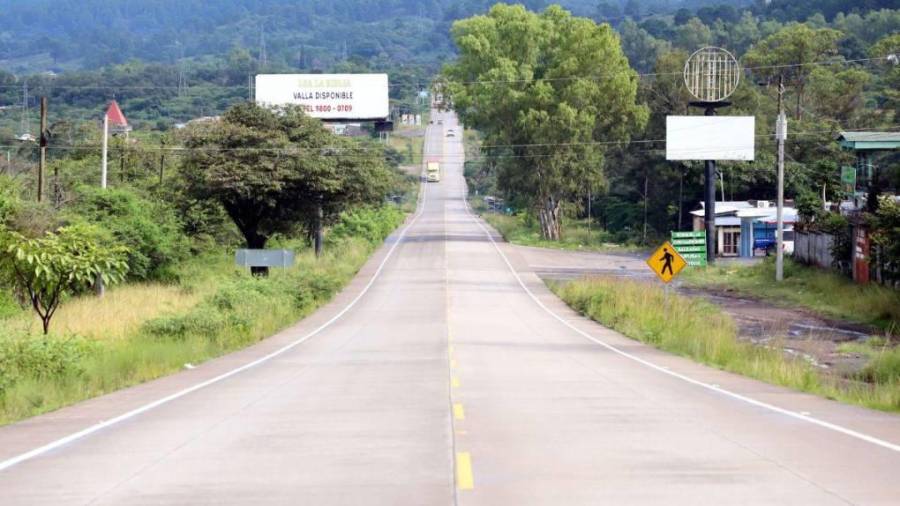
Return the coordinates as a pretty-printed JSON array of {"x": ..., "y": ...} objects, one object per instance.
[
  {"x": 596, "y": 77},
  {"x": 351, "y": 150}
]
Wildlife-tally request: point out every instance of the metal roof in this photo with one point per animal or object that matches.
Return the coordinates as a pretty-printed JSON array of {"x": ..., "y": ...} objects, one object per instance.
[{"x": 870, "y": 140}]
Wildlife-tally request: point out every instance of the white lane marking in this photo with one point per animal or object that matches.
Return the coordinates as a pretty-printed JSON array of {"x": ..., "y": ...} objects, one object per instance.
[
  {"x": 18, "y": 459},
  {"x": 665, "y": 370}
]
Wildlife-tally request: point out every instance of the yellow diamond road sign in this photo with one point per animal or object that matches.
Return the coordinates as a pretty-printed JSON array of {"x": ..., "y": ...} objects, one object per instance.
[{"x": 666, "y": 262}]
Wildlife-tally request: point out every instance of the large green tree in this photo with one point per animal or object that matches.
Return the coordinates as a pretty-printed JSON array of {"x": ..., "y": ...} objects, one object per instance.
[
  {"x": 790, "y": 53},
  {"x": 552, "y": 92},
  {"x": 280, "y": 170}
]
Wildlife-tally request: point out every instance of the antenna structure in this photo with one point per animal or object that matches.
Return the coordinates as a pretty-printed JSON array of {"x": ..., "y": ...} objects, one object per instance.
[{"x": 712, "y": 74}]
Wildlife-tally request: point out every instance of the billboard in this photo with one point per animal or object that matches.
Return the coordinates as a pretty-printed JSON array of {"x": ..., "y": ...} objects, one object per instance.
[
  {"x": 327, "y": 96},
  {"x": 710, "y": 137}
]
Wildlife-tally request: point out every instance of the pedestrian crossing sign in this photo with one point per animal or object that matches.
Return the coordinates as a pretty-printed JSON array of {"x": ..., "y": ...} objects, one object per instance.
[{"x": 666, "y": 262}]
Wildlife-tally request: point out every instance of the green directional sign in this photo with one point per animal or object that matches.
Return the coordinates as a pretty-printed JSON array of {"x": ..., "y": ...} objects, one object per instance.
[
  {"x": 848, "y": 178},
  {"x": 691, "y": 246}
]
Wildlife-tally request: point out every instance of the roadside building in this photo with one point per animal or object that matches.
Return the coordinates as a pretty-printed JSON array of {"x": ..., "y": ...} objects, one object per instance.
[{"x": 746, "y": 228}]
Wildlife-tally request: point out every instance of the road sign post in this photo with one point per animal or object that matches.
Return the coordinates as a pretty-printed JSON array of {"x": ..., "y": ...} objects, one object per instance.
[
  {"x": 666, "y": 262},
  {"x": 691, "y": 246}
]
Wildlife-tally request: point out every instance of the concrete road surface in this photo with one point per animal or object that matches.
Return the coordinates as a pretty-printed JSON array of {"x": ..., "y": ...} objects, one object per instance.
[{"x": 441, "y": 376}]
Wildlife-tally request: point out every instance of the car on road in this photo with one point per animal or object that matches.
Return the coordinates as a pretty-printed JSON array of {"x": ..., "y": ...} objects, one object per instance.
[{"x": 451, "y": 133}]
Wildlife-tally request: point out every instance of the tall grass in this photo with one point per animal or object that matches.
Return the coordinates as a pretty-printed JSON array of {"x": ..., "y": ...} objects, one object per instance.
[
  {"x": 824, "y": 292},
  {"x": 523, "y": 230},
  {"x": 698, "y": 330},
  {"x": 216, "y": 309}
]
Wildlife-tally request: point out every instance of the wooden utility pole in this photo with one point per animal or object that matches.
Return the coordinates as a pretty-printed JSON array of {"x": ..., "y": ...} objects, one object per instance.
[
  {"x": 162, "y": 159},
  {"x": 42, "y": 163},
  {"x": 319, "y": 238}
]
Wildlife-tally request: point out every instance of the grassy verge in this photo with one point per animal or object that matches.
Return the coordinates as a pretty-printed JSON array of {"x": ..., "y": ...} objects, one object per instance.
[
  {"x": 101, "y": 345},
  {"x": 519, "y": 229},
  {"x": 410, "y": 147},
  {"x": 825, "y": 293},
  {"x": 698, "y": 330}
]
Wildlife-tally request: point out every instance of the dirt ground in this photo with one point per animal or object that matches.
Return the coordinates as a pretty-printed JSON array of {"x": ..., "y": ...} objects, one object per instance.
[
  {"x": 800, "y": 333},
  {"x": 797, "y": 331}
]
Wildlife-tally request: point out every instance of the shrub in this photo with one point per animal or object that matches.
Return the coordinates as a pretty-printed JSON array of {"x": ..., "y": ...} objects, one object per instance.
[
  {"x": 42, "y": 358},
  {"x": 373, "y": 224},
  {"x": 8, "y": 304},
  {"x": 884, "y": 367},
  {"x": 149, "y": 229},
  {"x": 9, "y": 199}
]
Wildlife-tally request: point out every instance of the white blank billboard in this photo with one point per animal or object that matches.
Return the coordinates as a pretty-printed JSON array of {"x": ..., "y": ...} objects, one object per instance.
[
  {"x": 710, "y": 137},
  {"x": 327, "y": 96}
]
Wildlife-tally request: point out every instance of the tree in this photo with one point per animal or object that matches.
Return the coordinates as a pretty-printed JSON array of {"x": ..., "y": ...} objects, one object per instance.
[
  {"x": 67, "y": 261},
  {"x": 640, "y": 47},
  {"x": 693, "y": 35},
  {"x": 838, "y": 95},
  {"x": 891, "y": 76},
  {"x": 558, "y": 88},
  {"x": 607, "y": 11},
  {"x": 275, "y": 170},
  {"x": 789, "y": 52}
]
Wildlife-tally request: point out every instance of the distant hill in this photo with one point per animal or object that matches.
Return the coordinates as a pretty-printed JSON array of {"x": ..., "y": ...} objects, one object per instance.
[{"x": 62, "y": 35}]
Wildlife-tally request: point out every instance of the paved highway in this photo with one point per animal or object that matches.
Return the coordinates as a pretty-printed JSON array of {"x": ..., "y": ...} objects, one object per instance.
[{"x": 446, "y": 374}]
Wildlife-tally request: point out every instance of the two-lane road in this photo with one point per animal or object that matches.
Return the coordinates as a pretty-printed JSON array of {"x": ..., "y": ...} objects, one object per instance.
[{"x": 452, "y": 379}]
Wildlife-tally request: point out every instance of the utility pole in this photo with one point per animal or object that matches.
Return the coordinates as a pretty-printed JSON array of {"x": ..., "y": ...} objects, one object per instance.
[
  {"x": 722, "y": 178},
  {"x": 319, "y": 236},
  {"x": 781, "y": 136},
  {"x": 105, "y": 151},
  {"x": 42, "y": 163},
  {"x": 25, "y": 125},
  {"x": 589, "y": 216},
  {"x": 99, "y": 286},
  {"x": 162, "y": 159}
]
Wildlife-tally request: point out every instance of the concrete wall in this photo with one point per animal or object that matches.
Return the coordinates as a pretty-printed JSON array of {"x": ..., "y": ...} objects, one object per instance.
[{"x": 813, "y": 248}]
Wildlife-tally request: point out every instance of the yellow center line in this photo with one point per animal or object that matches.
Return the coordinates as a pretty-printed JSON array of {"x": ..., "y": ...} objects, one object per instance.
[
  {"x": 453, "y": 364},
  {"x": 454, "y": 382},
  {"x": 458, "y": 411},
  {"x": 464, "y": 480}
]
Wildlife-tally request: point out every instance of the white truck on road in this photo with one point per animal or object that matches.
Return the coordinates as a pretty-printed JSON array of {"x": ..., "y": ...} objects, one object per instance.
[{"x": 433, "y": 172}]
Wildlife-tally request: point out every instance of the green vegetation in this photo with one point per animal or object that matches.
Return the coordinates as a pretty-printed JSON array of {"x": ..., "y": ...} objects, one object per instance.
[
  {"x": 820, "y": 48},
  {"x": 700, "y": 331},
  {"x": 67, "y": 261},
  {"x": 409, "y": 148},
  {"x": 524, "y": 230},
  {"x": 171, "y": 219},
  {"x": 526, "y": 118},
  {"x": 825, "y": 293},
  {"x": 275, "y": 171},
  {"x": 149, "y": 230},
  {"x": 214, "y": 308}
]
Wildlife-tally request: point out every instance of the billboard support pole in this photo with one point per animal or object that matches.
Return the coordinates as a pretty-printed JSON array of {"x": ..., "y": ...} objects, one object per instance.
[
  {"x": 710, "y": 205},
  {"x": 709, "y": 191}
]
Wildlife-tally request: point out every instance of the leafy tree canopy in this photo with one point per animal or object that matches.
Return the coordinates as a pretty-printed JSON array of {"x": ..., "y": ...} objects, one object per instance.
[
  {"x": 548, "y": 78},
  {"x": 272, "y": 170}
]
